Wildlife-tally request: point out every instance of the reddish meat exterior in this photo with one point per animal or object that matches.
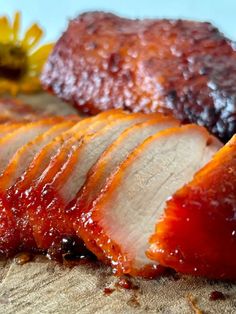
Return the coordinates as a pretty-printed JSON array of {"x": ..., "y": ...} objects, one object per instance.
[
  {"x": 197, "y": 234},
  {"x": 103, "y": 61}
]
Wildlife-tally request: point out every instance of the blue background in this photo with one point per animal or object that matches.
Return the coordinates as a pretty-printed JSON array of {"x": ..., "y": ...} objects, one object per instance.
[{"x": 54, "y": 14}]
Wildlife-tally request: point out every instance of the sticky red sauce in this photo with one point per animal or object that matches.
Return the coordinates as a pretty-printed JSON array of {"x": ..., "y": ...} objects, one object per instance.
[
  {"x": 197, "y": 234},
  {"x": 126, "y": 283},
  {"x": 108, "y": 291}
]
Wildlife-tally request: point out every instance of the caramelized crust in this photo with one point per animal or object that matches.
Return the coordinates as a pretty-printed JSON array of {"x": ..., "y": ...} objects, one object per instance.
[
  {"x": 188, "y": 68},
  {"x": 197, "y": 234}
]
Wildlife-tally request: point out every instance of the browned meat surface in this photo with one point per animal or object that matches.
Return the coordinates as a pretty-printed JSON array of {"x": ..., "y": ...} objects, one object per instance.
[{"x": 103, "y": 61}]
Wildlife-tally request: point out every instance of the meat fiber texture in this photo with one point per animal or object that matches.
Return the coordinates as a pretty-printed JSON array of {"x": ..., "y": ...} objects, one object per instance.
[
  {"x": 188, "y": 68},
  {"x": 119, "y": 221},
  {"x": 46, "y": 159},
  {"x": 197, "y": 234},
  {"x": 105, "y": 180}
]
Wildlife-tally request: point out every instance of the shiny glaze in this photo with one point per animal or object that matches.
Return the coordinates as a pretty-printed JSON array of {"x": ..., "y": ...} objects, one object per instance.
[
  {"x": 197, "y": 234},
  {"x": 32, "y": 212}
]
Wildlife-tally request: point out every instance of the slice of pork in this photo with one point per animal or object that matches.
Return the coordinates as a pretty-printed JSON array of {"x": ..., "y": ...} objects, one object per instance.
[
  {"x": 115, "y": 154},
  {"x": 24, "y": 155},
  {"x": 91, "y": 149},
  {"x": 52, "y": 149},
  {"x": 62, "y": 180},
  {"x": 8, "y": 128},
  {"x": 123, "y": 217},
  {"x": 19, "y": 195},
  {"x": 72, "y": 140},
  {"x": 10, "y": 143}
]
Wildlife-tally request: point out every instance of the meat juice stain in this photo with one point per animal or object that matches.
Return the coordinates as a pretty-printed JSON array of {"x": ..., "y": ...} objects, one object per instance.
[
  {"x": 127, "y": 284},
  {"x": 23, "y": 258},
  {"x": 108, "y": 291},
  {"x": 217, "y": 295}
]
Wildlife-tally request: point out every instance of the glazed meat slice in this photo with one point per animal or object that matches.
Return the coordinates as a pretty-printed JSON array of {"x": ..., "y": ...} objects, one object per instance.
[
  {"x": 15, "y": 232},
  {"x": 118, "y": 225},
  {"x": 103, "y": 61},
  {"x": 42, "y": 159},
  {"x": 10, "y": 143},
  {"x": 24, "y": 155},
  {"x": 52, "y": 156},
  {"x": 62, "y": 147},
  {"x": 197, "y": 234},
  {"x": 15, "y": 168},
  {"x": 7, "y": 128},
  {"x": 113, "y": 156},
  {"x": 47, "y": 215}
]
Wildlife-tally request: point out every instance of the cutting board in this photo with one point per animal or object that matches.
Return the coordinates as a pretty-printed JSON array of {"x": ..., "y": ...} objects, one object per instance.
[{"x": 43, "y": 286}]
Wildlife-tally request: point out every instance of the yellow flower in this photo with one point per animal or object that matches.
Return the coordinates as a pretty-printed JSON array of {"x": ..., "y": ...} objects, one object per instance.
[{"x": 20, "y": 60}]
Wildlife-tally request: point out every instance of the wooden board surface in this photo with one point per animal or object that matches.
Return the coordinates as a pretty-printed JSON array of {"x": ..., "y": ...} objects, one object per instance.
[{"x": 43, "y": 286}]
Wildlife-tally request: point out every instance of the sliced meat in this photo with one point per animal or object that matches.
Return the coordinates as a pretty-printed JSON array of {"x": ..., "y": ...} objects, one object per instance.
[
  {"x": 10, "y": 143},
  {"x": 114, "y": 155},
  {"x": 60, "y": 185},
  {"x": 17, "y": 165},
  {"x": 7, "y": 128},
  {"x": 24, "y": 155},
  {"x": 12, "y": 206},
  {"x": 122, "y": 218},
  {"x": 42, "y": 159},
  {"x": 14, "y": 200},
  {"x": 197, "y": 234},
  {"x": 12, "y": 109},
  {"x": 71, "y": 140}
]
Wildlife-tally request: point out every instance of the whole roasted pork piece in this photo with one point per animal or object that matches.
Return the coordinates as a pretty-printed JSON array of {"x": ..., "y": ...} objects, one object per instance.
[{"x": 103, "y": 61}]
